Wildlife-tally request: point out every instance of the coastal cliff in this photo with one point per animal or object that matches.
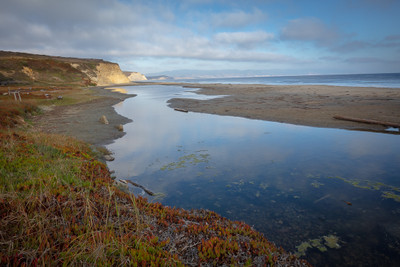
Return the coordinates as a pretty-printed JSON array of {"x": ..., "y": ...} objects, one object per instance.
[
  {"x": 109, "y": 73},
  {"x": 23, "y": 68},
  {"x": 135, "y": 76}
]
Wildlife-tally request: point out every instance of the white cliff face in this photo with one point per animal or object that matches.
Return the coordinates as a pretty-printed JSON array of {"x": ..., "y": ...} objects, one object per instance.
[{"x": 136, "y": 76}]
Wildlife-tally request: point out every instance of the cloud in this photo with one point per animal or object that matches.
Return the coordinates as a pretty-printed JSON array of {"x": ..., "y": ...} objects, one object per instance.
[
  {"x": 352, "y": 46},
  {"x": 309, "y": 30},
  {"x": 236, "y": 19},
  {"x": 390, "y": 41},
  {"x": 243, "y": 39},
  {"x": 369, "y": 60},
  {"x": 109, "y": 29}
]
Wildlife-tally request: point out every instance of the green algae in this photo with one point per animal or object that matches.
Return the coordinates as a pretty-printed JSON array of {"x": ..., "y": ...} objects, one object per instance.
[
  {"x": 391, "y": 195},
  {"x": 302, "y": 248},
  {"x": 316, "y": 184},
  {"x": 388, "y": 191},
  {"x": 184, "y": 161},
  {"x": 321, "y": 243},
  {"x": 331, "y": 241}
]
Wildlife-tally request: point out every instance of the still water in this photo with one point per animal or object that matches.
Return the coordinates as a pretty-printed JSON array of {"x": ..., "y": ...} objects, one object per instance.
[{"x": 331, "y": 196}]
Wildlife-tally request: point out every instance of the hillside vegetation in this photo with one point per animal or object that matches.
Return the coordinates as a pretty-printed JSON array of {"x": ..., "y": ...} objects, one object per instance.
[{"x": 29, "y": 69}]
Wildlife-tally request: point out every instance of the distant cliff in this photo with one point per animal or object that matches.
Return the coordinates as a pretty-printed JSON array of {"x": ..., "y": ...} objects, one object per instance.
[
  {"x": 135, "y": 76},
  {"x": 23, "y": 68}
]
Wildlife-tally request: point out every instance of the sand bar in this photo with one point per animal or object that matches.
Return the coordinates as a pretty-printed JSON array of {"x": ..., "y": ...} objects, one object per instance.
[{"x": 311, "y": 105}]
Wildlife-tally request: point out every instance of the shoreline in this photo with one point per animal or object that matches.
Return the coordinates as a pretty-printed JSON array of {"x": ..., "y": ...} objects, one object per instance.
[
  {"x": 307, "y": 105},
  {"x": 81, "y": 120}
]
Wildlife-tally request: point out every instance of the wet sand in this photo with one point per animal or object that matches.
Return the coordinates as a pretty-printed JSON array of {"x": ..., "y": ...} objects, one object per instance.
[{"x": 311, "y": 105}]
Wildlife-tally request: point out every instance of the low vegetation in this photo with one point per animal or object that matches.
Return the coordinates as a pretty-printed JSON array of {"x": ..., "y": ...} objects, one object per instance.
[
  {"x": 60, "y": 206},
  {"x": 23, "y": 69}
]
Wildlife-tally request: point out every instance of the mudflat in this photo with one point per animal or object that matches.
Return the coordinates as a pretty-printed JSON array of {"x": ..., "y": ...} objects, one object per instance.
[{"x": 311, "y": 105}]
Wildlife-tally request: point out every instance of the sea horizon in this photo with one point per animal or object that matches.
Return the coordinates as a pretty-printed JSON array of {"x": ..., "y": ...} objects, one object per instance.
[{"x": 379, "y": 80}]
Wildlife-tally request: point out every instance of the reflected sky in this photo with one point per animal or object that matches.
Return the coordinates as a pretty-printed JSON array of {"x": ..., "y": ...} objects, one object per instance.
[{"x": 290, "y": 182}]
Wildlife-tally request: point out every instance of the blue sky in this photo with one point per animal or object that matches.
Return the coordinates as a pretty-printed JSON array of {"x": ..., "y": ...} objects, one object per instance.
[{"x": 204, "y": 37}]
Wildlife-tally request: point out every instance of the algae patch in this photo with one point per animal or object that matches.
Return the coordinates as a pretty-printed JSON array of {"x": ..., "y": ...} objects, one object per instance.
[
  {"x": 184, "y": 161},
  {"x": 387, "y": 191},
  {"x": 316, "y": 184},
  {"x": 321, "y": 243},
  {"x": 331, "y": 241},
  {"x": 391, "y": 195}
]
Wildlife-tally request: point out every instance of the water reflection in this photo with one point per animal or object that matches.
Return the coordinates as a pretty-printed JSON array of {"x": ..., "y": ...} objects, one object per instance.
[{"x": 301, "y": 186}]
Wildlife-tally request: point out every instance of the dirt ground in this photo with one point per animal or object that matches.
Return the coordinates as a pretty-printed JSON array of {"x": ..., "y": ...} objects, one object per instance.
[
  {"x": 311, "y": 105},
  {"x": 82, "y": 120}
]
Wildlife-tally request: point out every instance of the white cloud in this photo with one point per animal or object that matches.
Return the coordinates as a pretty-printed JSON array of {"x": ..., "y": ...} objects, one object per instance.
[
  {"x": 309, "y": 30},
  {"x": 112, "y": 29}
]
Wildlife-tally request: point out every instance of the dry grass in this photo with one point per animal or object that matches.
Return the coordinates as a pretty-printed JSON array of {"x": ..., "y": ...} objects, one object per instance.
[{"x": 13, "y": 112}]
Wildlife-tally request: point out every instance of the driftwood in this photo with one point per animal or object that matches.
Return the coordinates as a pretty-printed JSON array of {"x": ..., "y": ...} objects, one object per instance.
[
  {"x": 181, "y": 110},
  {"x": 384, "y": 123},
  {"x": 138, "y": 185}
]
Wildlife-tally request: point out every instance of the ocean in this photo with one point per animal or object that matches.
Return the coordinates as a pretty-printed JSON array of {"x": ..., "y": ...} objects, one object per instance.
[{"x": 387, "y": 80}]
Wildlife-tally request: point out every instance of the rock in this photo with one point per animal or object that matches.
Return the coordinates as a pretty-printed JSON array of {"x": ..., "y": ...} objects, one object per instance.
[
  {"x": 103, "y": 120},
  {"x": 120, "y": 128},
  {"x": 108, "y": 158}
]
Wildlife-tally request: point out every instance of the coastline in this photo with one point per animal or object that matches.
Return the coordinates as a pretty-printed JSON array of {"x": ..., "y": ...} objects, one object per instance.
[
  {"x": 82, "y": 120},
  {"x": 308, "y": 105},
  {"x": 69, "y": 120},
  {"x": 201, "y": 232}
]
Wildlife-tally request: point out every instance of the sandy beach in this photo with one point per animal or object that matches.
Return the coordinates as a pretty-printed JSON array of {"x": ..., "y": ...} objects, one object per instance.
[{"x": 311, "y": 105}]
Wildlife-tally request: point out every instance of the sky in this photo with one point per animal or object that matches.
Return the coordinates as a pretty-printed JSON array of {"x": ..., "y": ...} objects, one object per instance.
[{"x": 218, "y": 38}]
